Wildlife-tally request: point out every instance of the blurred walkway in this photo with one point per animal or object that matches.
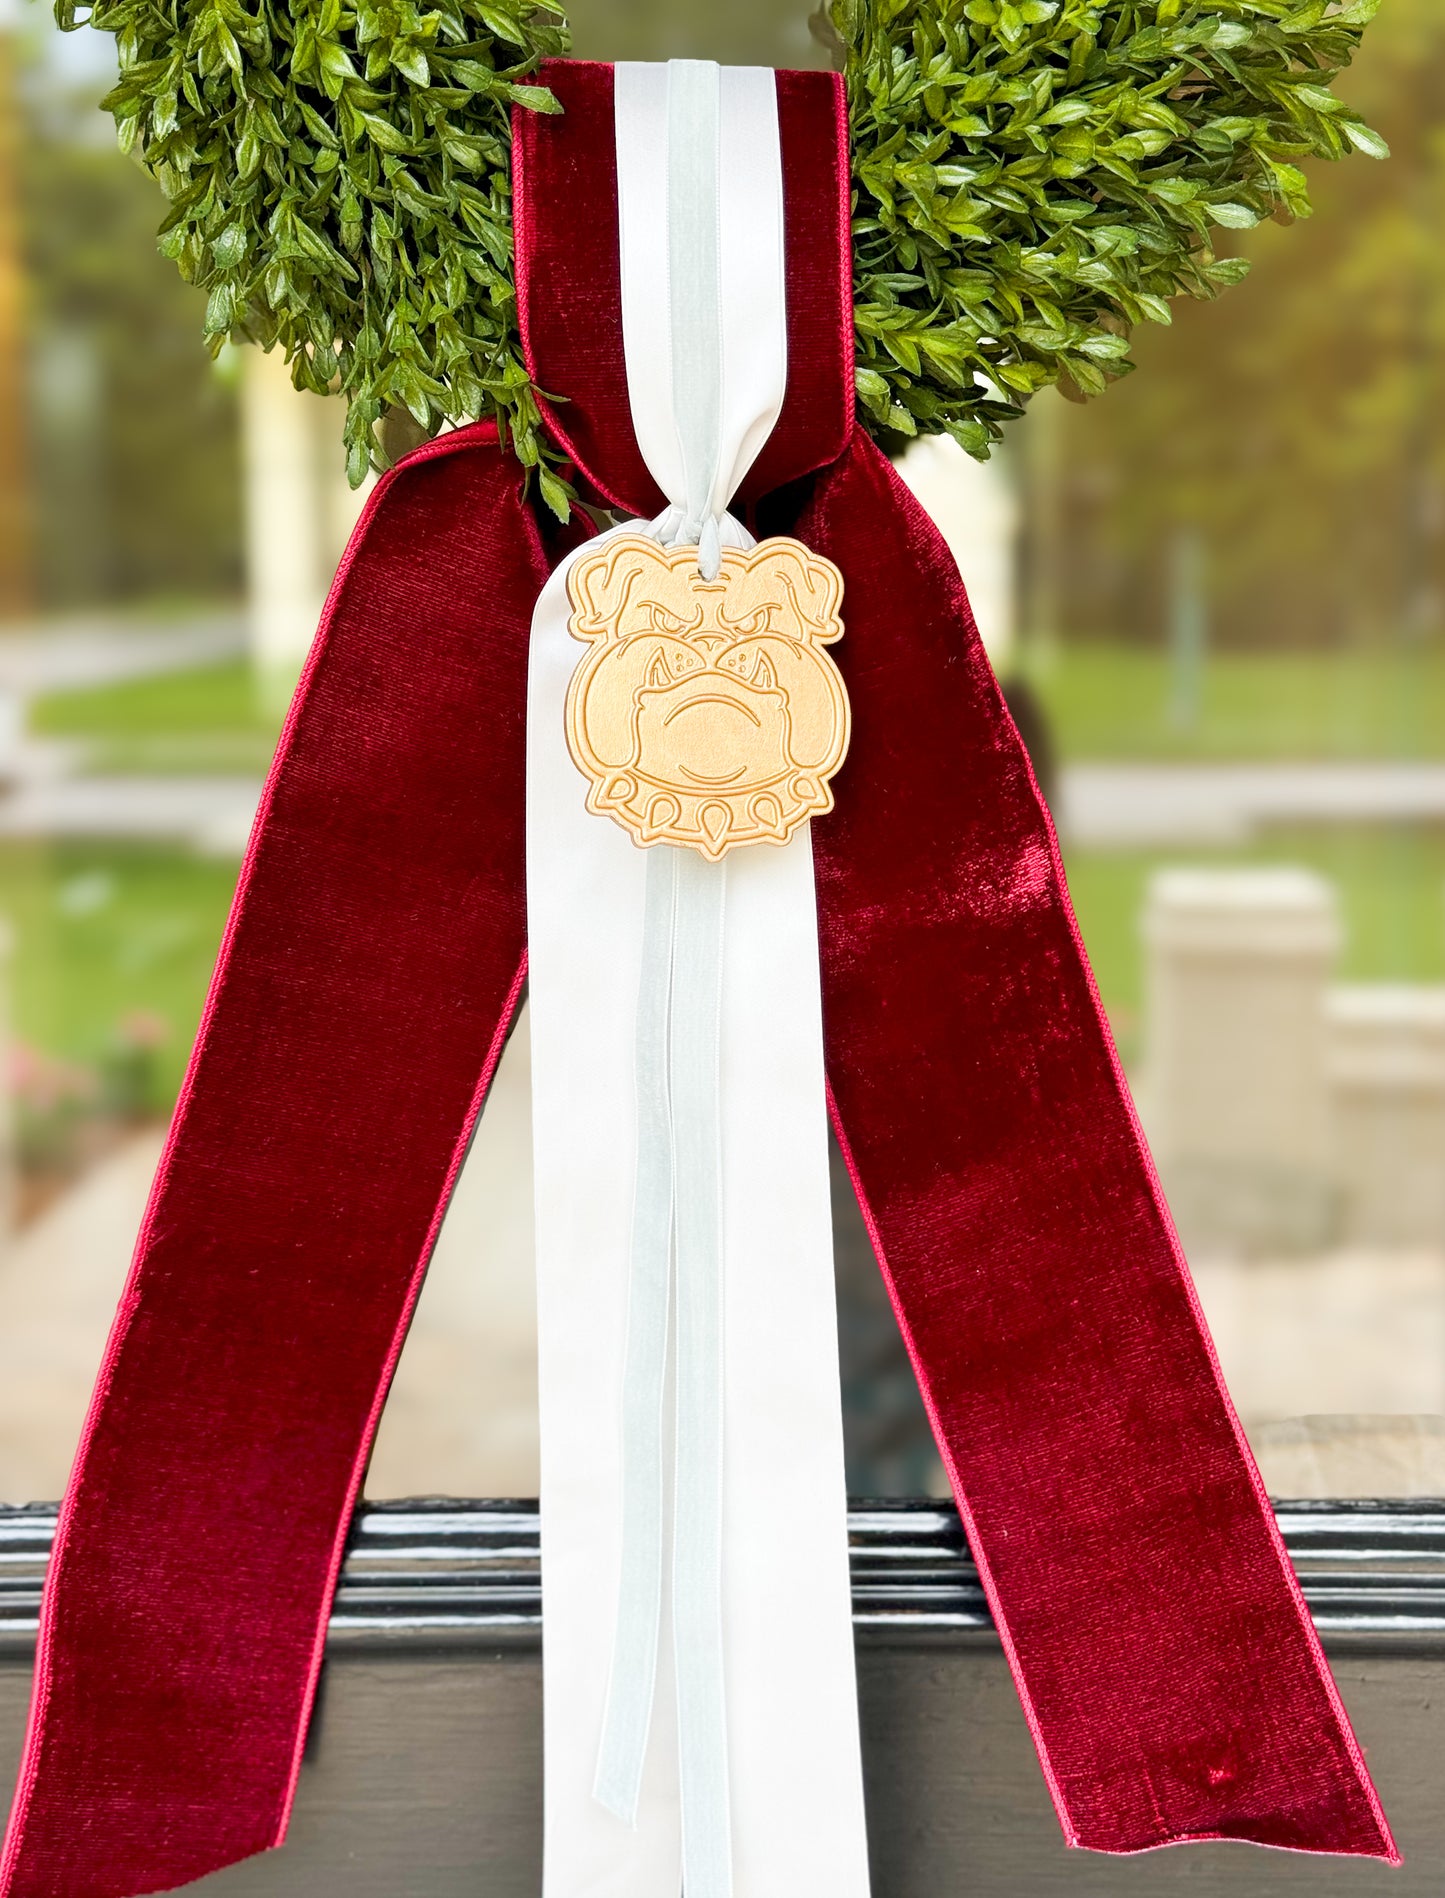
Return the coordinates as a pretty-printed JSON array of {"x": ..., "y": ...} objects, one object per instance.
[
  {"x": 1123, "y": 805},
  {"x": 1359, "y": 1331},
  {"x": 1101, "y": 806},
  {"x": 102, "y": 648},
  {"x": 462, "y": 1416},
  {"x": 60, "y": 1282},
  {"x": 210, "y": 814}
]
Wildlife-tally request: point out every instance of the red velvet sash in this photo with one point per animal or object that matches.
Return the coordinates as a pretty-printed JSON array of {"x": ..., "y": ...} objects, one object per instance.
[
  {"x": 369, "y": 972},
  {"x": 1167, "y": 1665}
]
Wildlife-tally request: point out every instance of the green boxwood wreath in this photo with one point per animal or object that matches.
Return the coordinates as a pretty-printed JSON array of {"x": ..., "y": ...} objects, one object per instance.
[{"x": 1031, "y": 179}]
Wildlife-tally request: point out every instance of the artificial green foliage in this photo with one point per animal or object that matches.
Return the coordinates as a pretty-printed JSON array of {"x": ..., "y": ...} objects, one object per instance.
[
  {"x": 1035, "y": 177},
  {"x": 337, "y": 172}
]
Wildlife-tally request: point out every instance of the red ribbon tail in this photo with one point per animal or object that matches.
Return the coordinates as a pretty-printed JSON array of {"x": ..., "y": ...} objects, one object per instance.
[
  {"x": 369, "y": 973},
  {"x": 1167, "y": 1664}
]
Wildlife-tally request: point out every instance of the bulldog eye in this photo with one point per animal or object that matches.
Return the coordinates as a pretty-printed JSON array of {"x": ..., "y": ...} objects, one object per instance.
[
  {"x": 755, "y": 623},
  {"x": 665, "y": 622}
]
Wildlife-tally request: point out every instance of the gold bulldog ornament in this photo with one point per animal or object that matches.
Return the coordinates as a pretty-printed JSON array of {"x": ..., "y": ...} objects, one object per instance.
[{"x": 707, "y": 713}]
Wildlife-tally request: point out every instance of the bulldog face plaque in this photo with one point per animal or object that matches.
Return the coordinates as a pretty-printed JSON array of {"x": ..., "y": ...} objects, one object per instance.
[{"x": 706, "y": 713}]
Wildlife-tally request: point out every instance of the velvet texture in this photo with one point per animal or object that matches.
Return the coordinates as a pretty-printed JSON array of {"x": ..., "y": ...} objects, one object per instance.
[
  {"x": 569, "y": 283},
  {"x": 369, "y": 971},
  {"x": 1168, "y": 1668},
  {"x": 372, "y": 963}
]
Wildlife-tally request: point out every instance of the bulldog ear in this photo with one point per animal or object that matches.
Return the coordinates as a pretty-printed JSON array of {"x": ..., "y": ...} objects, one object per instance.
[
  {"x": 785, "y": 573},
  {"x": 604, "y": 580}
]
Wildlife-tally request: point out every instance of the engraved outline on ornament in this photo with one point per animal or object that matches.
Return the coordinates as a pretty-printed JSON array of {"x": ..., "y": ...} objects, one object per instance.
[{"x": 760, "y": 813}]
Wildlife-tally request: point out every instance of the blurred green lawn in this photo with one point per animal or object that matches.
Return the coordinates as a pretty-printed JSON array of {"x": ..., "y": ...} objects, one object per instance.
[
  {"x": 211, "y": 720},
  {"x": 1117, "y": 702},
  {"x": 107, "y": 931},
  {"x": 104, "y": 930},
  {"x": 1104, "y": 701}
]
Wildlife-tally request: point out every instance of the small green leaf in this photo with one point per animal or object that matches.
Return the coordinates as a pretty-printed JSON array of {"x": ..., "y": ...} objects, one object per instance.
[
  {"x": 555, "y": 493},
  {"x": 503, "y": 25},
  {"x": 383, "y": 133},
  {"x": 534, "y": 98},
  {"x": 220, "y": 310},
  {"x": 230, "y": 247},
  {"x": 1234, "y": 217},
  {"x": 411, "y": 61},
  {"x": 1364, "y": 139}
]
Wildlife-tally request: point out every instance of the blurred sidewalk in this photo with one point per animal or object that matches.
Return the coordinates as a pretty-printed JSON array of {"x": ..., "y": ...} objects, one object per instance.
[
  {"x": 210, "y": 814},
  {"x": 1101, "y": 806},
  {"x": 60, "y": 1281},
  {"x": 100, "y": 649},
  {"x": 1123, "y": 805},
  {"x": 462, "y": 1419}
]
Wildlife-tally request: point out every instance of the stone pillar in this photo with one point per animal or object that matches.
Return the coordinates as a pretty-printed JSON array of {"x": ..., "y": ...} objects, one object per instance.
[
  {"x": 972, "y": 503},
  {"x": 1237, "y": 1054},
  {"x": 1387, "y": 1077},
  {"x": 299, "y": 512}
]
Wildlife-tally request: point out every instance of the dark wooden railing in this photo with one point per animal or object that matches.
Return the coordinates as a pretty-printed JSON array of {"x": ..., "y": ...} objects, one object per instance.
[{"x": 423, "y": 1773}]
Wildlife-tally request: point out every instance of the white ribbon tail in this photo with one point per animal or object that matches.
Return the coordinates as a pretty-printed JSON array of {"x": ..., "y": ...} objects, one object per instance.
[
  {"x": 697, "y": 1540},
  {"x": 627, "y": 1719},
  {"x": 700, "y": 1716}
]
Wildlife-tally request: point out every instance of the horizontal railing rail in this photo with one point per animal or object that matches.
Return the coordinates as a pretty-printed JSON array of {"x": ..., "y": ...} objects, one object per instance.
[{"x": 439, "y": 1571}]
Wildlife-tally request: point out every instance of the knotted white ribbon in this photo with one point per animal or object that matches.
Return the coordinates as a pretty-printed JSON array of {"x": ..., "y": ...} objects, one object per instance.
[{"x": 705, "y": 1737}]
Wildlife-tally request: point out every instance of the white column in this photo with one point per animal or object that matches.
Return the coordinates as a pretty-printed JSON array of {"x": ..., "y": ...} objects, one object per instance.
[
  {"x": 282, "y": 516},
  {"x": 1387, "y": 1076},
  {"x": 973, "y": 505},
  {"x": 1236, "y": 1077},
  {"x": 299, "y": 511}
]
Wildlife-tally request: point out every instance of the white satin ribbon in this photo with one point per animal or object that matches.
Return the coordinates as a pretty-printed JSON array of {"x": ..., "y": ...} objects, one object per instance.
[{"x": 700, "y": 179}]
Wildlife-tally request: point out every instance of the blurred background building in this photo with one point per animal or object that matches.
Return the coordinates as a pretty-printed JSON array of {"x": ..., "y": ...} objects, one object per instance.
[{"x": 1217, "y": 597}]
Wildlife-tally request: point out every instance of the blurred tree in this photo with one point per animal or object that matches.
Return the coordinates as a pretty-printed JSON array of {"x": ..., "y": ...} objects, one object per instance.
[
  {"x": 1297, "y": 425},
  {"x": 136, "y": 458},
  {"x": 15, "y": 563},
  {"x": 745, "y": 32}
]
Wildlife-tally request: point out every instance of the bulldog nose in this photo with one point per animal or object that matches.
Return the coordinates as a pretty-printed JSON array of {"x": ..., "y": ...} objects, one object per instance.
[{"x": 708, "y": 644}]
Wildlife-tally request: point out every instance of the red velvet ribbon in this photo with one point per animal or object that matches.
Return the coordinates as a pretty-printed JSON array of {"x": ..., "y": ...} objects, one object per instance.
[
  {"x": 1166, "y": 1662},
  {"x": 368, "y": 975}
]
